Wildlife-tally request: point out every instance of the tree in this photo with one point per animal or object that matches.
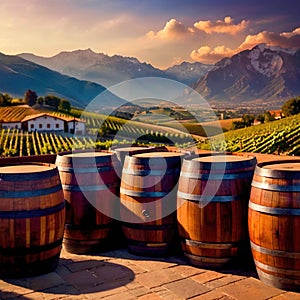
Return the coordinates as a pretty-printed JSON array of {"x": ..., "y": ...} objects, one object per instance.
[
  {"x": 2, "y": 100},
  {"x": 30, "y": 97},
  {"x": 261, "y": 118},
  {"x": 269, "y": 117},
  {"x": 291, "y": 107},
  {"x": 5, "y": 99},
  {"x": 237, "y": 125},
  {"x": 64, "y": 105},
  {"x": 52, "y": 100},
  {"x": 40, "y": 100},
  {"x": 248, "y": 120}
]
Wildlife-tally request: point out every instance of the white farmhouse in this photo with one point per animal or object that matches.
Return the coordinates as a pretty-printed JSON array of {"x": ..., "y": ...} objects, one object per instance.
[
  {"x": 11, "y": 125},
  {"x": 79, "y": 126},
  {"x": 48, "y": 122},
  {"x": 43, "y": 122}
]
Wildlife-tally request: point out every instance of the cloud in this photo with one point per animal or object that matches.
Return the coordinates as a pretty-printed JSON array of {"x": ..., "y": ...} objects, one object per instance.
[
  {"x": 284, "y": 39},
  {"x": 221, "y": 26},
  {"x": 207, "y": 54},
  {"x": 173, "y": 30}
]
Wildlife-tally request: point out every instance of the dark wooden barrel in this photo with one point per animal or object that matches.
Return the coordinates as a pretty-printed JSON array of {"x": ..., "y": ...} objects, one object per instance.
[
  {"x": 91, "y": 187},
  {"x": 213, "y": 195},
  {"x": 148, "y": 202},
  {"x": 32, "y": 219},
  {"x": 274, "y": 223}
]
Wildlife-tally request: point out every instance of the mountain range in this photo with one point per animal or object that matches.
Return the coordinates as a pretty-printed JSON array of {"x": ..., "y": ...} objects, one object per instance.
[
  {"x": 18, "y": 75},
  {"x": 110, "y": 70},
  {"x": 262, "y": 73}
]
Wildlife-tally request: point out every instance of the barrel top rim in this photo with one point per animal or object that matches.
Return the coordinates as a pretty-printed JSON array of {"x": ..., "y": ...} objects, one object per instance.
[
  {"x": 90, "y": 154},
  {"x": 223, "y": 158},
  {"x": 157, "y": 155},
  {"x": 23, "y": 169},
  {"x": 283, "y": 166},
  {"x": 127, "y": 149}
]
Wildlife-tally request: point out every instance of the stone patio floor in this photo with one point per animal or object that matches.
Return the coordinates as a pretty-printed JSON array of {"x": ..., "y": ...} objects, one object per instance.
[{"x": 123, "y": 276}]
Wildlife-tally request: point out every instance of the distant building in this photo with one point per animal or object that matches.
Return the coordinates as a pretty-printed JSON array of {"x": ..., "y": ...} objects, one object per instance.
[
  {"x": 277, "y": 113},
  {"x": 43, "y": 122},
  {"x": 47, "y": 122},
  {"x": 256, "y": 122},
  {"x": 11, "y": 125}
]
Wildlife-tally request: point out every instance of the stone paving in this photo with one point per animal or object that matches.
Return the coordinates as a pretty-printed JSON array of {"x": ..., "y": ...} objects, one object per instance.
[{"x": 123, "y": 276}]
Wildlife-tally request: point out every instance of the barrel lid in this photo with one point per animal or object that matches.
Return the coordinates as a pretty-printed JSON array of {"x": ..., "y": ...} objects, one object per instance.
[
  {"x": 222, "y": 158},
  {"x": 158, "y": 155},
  {"x": 24, "y": 169},
  {"x": 285, "y": 169},
  {"x": 284, "y": 166},
  {"x": 129, "y": 149},
  {"x": 87, "y": 154},
  {"x": 223, "y": 162}
]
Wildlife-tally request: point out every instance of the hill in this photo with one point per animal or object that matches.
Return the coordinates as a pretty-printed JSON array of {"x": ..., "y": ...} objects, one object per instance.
[
  {"x": 265, "y": 73},
  {"x": 18, "y": 75}
]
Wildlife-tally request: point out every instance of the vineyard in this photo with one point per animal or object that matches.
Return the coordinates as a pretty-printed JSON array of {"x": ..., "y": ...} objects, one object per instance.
[
  {"x": 14, "y": 142},
  {"x": 277, "y": 137}
]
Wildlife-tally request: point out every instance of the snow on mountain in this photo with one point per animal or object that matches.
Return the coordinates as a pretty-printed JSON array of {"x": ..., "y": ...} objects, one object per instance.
[
  {"x": 109, "y": 70},
  {"x": 266, "y": 73}
]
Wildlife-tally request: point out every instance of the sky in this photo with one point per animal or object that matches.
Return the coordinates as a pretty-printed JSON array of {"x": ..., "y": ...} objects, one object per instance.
[{"x": 159, "y": 32}]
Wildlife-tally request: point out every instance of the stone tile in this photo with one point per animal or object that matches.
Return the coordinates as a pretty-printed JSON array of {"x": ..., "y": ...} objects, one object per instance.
[
  {"x": 150, "y": 265},
  {"x": 110, "y": 271},
  {"x": 8, "y": 286},
  {"x": 250, "y": 288},
  {"x": 134, "y": 284},
  {"x": 105, "y": 293},
  {"x": 12, "y": 295},
  {"x": 186, "y": 271},
  {"x": 62, "y": 270},
  {"x": 165, "y": 294},
  {"x": 287, "y": 296},
  {"x": 135, "y": 268},
  {"x": 186, "y": 288},
  {"x": 140, "y": 291},
  {"x": 151, "y": 296},
  {"x": 84, "y": 265},
  {"x": 47, "y": 296},
  {"x": 157, "y": 278},
  {"x": 213, "y": 295},
  {"x": 62, "y": 290},
  {"x": 39, "y": 283},
  {"x": 213, "y": 284},
  {"x": 83, "y": 279},
  {"x": 207, "y": 276},
  {"x": 120, "y": 296}
]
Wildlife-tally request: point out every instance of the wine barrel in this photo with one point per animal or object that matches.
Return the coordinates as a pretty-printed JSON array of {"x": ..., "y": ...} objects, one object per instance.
[
  {"x": 212, "y": 201},
  {"x": 148, "y": 202},
  {"x": 274, "y": 223},
  {"x": 32, "y": 219},
  {"x": 91, "y": 186}
]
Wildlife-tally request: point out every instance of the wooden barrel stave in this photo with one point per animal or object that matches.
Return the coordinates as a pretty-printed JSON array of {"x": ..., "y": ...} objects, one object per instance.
[
  {"x": 274, "y": 223},
  {"x": 32, "y": 218}
]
